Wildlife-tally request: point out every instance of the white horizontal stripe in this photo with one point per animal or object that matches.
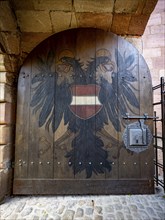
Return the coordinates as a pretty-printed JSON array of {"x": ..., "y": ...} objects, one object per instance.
[{"x": 85, "y": 100}]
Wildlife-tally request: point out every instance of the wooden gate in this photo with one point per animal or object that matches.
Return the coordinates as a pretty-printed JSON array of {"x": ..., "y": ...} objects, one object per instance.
[{"x": 73, "y": 91}]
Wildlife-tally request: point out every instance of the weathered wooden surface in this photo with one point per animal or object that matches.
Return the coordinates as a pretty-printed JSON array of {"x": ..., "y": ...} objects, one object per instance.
[
  {"x": 73, "y": 92},
  {"x": 83, "y": 187}
]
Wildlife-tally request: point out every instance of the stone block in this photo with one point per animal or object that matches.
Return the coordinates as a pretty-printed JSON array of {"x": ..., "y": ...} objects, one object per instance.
[
  {"x": 6, "y": 134},
  {"x": 155, "y": 19},
  {"x": 155, "y": 41},
  {"x": 152, "y": 52},
  {"x": 27, "y": 5},
  {"x": 127, "y": 6},
  {"x": 10, "y": 63},
  {"x": 158, "y": 29},
  {"x": 149, "y": 6},
  {"x": 63, "y": 21},
  {"x": 31, "y": 40},
  {"x": 5, "y": 156},
  {"x": 137, "y": 24},
  {"x": 64, "y": 5},
  {"x": 11, "y": 42},
  {"x": 94, "y": 6},
  {"x": 7, "y": 113},
  {"x": 7, "y": 18},
  {"x": 120, "y": 24},
  {"x": 2, "y": 66},
  {"x": 34, "y": 21},
  {"x": 97, "y": 20},
  {"x": 162, "y": 18},
  {"x": 6, "y": 93},
  {"x": 158, "y": 62},
  {"x": 159, "y": 7},
  {"x": 5, "y": 182},
  {"x": 162, "y": 73},
  {"x": 7, "y": 78},
  {"x": 1, "y": 59}
]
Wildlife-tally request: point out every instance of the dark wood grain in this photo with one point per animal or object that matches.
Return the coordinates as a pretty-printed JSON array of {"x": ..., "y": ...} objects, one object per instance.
[
  {"x": 22, "y": 126},
  {"x": 83, "y": 187},
  {"x": 146, "y": 106},
  {"x": 76, "y": 146}
]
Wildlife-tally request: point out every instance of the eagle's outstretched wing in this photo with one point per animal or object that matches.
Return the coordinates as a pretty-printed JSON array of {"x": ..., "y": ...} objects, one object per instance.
[
  {"x": 51, "y": 95},
  {"x": 118, "y": 94}
]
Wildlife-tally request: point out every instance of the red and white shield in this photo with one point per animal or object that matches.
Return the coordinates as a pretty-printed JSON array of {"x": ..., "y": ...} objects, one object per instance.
[{"x": 85, "y": 102}]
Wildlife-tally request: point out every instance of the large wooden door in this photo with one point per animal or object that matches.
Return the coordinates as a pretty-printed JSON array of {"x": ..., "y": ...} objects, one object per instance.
[{"x": 73, "y": 91}]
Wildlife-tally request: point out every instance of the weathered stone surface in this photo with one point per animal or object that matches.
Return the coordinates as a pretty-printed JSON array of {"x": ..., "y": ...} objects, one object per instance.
[
  {"x": 154, "y": 41},
  {"x": 63, "y": 21},
  {"x": 30, "y": 40},
  {"x": 127, "y": 6},
  {"x": 98, "y": 209},
  {"x": 79, "y": 213},
  {"x": 93, "y": 6},
  {"x": 6, "y": 136},
  {"x": 154, "y": 20},
  {"x": 5, "y": 182},
  {"x": 34, "y": 21},
  {"x": 1, "y": 59},
  {"x": 6, "y": 94},
  {"x": 11, "y": 42},
  {"x": 61, "y": 209},
  {"x": 120, "y": 24},
  {"x": 137, "y": 24},
  {"x": 5, "y": 155},
  {"x": 149, "y": 6},
  {"x": 157, "y": 29},
  {"x": 69, "y": 214},
  {"x": 20, "y": 207},
  {"x": 28, "y": 5},
  {"x": 64, "y": 5},
  {"x": 11, "y": 63},
  {"x": 97, "y": 20},
  {"x": 7, "y": 18},
  {"x": 8, "y": 78},
  {"x": 2, "y": 66},
  {"x": 27, "y": 211},
  {"x": 7, "y": 115},
  {"x": 89, "y": 211},
  {"x": 152, "y": 52}
]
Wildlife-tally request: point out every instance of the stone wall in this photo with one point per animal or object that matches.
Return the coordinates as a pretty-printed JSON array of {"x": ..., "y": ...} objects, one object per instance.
[
  {"x": 7, "y": 125},
  {"x": 153, "y": 41},
  {"x": 151, "y": 45}
]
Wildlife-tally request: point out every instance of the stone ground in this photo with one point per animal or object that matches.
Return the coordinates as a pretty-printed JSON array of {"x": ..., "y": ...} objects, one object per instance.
[{"x": 129, "y": 207}]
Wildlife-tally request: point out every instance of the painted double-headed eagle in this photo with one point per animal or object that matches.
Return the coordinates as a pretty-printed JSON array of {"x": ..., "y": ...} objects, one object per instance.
[{"x": 86, "y": 99}]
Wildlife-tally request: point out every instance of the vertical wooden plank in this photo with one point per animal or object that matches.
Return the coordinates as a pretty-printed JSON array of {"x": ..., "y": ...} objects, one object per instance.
[
  {"x": 33, "y": 126},
  {"x": 88, "y": 144},
  {"x": 22, "y": 122},
  {"x": 41, "y": 141},
  {"x": 106, "y": 45},
  {"x": 45, "y": 142},
  {"x": 128, "y": 87},
  {"x": 147, "y": 156},
  {"x": 64, "y": 47}
]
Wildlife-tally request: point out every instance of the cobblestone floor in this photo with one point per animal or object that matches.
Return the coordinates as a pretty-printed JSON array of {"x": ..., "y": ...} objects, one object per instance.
[{"x": 129, "y": 207}]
